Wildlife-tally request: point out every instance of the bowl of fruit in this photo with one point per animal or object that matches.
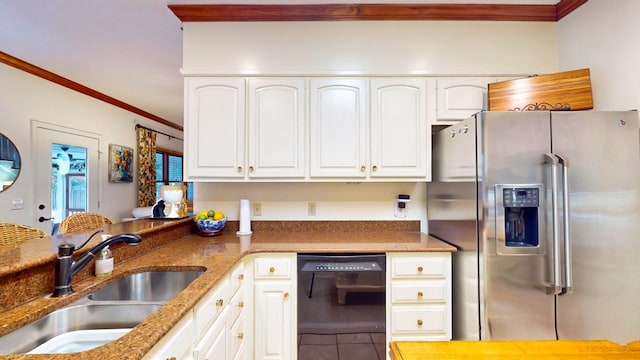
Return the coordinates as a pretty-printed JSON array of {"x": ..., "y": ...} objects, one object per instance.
[{"x": 210, "y": 222}]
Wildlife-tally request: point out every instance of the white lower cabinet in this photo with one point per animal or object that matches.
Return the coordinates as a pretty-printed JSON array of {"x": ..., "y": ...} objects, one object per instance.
[
  {"x": 275, "y": 306},
  {"x": 213, "y": 330},
  {"x": 418, "y": 296},
  {"x": 214, "y": 344},
  {"x": 177, "y": 344},
  {"x": 251, "y": 314}
]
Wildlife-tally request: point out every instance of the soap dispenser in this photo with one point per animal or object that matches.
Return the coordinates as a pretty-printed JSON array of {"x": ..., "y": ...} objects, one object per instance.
[{"x": 104, "y": 261}]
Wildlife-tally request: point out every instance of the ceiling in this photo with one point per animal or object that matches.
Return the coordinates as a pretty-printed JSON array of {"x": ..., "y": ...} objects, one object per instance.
[{"x": 129, "y": 50}]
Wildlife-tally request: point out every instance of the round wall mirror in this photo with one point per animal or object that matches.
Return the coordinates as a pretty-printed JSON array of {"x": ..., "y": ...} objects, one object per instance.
[{"x": 9, "y": 163}]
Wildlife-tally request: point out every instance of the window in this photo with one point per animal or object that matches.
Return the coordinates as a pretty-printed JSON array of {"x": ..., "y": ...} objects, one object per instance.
[{"x": 169, "y": 170}]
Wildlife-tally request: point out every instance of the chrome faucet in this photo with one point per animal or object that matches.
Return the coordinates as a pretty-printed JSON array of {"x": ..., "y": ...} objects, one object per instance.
[{"x": 66, "y": 267}]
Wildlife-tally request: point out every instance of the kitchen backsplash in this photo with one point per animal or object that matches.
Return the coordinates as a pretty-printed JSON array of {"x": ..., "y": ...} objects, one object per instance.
[{"x": 331, "y": 201}]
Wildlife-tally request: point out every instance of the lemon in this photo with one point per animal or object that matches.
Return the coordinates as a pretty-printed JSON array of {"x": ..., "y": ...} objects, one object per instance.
[
  {"x": 218, "y": 215},
  {"x": 202, "y": 216}
]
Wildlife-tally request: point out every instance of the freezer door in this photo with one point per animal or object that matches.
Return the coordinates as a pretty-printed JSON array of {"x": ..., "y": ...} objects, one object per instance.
[
  {"x": 514, "y": 301},
  {"x": 602, "y": 149}
]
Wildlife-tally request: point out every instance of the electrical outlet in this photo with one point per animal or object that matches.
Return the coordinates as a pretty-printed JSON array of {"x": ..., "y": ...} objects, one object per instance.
[
  {"x": 311, "y": 208},
  {"x": 257, "y": 209}
]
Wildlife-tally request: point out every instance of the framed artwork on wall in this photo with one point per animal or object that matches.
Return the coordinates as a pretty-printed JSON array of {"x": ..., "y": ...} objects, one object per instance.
[{"x": 120, "y": 163}]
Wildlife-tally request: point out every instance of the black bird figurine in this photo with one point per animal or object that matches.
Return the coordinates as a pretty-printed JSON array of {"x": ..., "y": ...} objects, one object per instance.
[{"x": 158, "y": 209}]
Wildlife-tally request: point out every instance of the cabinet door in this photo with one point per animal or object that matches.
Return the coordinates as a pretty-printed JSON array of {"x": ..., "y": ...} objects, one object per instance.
[
  {"x": 177, "y": 343},
  {"x": 399, "y": 141},
  {"x": 459, "y": 98},
  {"x": 277, "y": 128},
  {"x": 214, "y": 128},
  {"x": 338, "y": 122},
  {"x": 274, "y": 333},
  {"x": 215, "y": 343}
]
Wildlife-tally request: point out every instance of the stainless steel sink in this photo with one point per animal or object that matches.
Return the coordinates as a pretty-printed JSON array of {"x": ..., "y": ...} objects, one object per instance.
[
  {"x": 155, "y": 286},
  {"x": 84, "y": 316},
  {"x": 83, "y": 325}
]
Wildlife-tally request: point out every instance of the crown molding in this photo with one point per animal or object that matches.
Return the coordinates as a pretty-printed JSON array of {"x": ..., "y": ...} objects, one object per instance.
[
  {"x": 370, "y": 12},
  {"x": 565, "y": 7},
  {"x": 62, "y": 81}
]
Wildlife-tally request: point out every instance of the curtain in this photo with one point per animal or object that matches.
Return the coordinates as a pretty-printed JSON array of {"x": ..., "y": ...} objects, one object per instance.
[{"x": 146, "y": 167}]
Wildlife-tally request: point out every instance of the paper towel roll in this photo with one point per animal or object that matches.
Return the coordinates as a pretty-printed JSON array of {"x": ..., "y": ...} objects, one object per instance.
[{"x": 245, "y": 217}]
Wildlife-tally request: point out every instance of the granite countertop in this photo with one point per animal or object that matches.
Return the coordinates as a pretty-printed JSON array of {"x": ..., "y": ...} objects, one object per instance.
[
  {"x": 514, "y": 350},
  {"x": 163, "y": 248}
]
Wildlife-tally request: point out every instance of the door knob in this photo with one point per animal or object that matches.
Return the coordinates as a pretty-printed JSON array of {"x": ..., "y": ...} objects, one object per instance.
[{"x": 43, "y": 219}]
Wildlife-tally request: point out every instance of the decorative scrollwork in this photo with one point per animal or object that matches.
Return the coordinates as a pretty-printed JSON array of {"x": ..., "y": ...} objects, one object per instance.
[{"x": 543, "y": 106}]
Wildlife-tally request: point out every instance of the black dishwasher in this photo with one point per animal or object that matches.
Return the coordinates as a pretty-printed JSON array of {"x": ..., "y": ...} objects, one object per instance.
[{"x": 341, "y": 293}]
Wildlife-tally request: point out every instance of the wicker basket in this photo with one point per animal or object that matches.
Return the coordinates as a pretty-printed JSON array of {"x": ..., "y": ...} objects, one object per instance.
[
  {"x": 16, "y": 233},
  {"x": 81, "y": 222}
]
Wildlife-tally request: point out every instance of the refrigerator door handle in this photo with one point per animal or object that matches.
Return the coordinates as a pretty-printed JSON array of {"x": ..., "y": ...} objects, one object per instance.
[
  {"x": 556, "y": 286},
  {"x": 568, "y": 284}
]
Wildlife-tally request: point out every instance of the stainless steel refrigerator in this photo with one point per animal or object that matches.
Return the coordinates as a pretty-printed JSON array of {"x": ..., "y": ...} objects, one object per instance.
[{"x": 544, "y": 210}]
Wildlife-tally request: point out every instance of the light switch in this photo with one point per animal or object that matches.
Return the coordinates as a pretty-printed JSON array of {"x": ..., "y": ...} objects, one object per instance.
[{"x": 17, "y": 204}]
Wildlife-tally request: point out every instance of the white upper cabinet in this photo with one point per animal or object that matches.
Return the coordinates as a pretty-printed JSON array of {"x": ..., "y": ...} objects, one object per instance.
[
  {"x": 319, "y": 128},
  {"x": 338, "y": 122},
  {"x": 459, "y": 98},
  {"x": 277, "y": 128},
  {"x": 238, "y": 129},
  {"x": 214, "y": 128},
  {"x": 369, "y": 129},
  {"x": 399, "y": 141}
]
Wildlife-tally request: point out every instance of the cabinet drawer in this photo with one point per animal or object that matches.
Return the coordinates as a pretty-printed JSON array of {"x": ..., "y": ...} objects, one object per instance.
[
  {"x": 273, "y": 268},
  {"x": 419, "y": 320},
  {"x": 236, "y": 335},
  {"x": 419, "y": 292},
  {"x": 420, "y": 266},
  {"x": 210, "y": 307},
  {"x": 237, "y": 304},
  {"x": 237, "y": 278}
]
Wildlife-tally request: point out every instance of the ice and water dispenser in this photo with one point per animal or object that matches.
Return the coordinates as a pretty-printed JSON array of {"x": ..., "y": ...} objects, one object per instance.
[{"x": 518, "y": 219}]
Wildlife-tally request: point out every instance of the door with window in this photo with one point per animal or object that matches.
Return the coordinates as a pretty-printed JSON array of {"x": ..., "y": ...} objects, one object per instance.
[{"x": 66, "y": 174}]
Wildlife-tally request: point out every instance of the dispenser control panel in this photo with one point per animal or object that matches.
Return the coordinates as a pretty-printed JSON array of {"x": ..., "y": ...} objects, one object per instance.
[{"x": 520, "y": 197}]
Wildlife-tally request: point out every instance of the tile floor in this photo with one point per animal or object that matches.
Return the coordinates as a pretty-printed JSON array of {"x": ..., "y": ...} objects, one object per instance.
[{"x": 360, "y": 346}]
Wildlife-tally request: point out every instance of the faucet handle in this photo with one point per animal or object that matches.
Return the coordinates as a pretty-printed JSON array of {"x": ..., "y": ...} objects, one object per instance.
[{"x": 66, "y": 249}]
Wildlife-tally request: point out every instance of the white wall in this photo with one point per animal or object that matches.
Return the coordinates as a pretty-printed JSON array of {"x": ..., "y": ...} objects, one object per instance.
[
  {"x": 24, "y": 97},
  {"x": 370, "y": 47},
  {"x": 603, "y": 36},
  {"x": 402, "y": 48}
]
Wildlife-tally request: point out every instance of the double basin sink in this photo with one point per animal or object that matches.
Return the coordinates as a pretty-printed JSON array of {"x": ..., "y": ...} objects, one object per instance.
[{"x": 101, "y": 317}]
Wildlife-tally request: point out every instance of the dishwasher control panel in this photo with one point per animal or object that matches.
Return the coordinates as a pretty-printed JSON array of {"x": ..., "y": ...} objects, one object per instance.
[
  {"x": 341, "y": 262},
  {"x": 318, "y": 266}
]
